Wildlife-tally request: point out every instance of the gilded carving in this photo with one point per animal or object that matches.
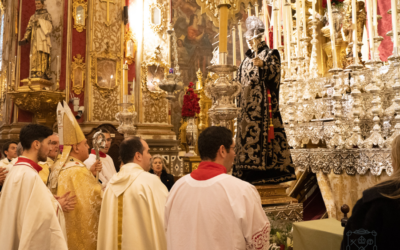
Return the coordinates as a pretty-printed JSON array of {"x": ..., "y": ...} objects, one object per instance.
[
  {"x": 107, "y": 2},
  {"x": 158, "y": 17},
  {"x": 79, "y": 13},
  {"x": 130, "y": 47},
  {"x": 105, "y": 71},
  {"x": 105, "y": 107},
  {"x": 78, "y": 74},
  {"x": 210, "y": 7}
]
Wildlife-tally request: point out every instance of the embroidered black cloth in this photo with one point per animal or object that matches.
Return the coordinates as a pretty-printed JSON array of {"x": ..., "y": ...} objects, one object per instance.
[{"x": 259, "y": 161}]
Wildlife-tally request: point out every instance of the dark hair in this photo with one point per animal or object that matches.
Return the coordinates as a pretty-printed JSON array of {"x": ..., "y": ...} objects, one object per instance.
[
  {"x": 104, "y": 130},
  {"x": 211, "y": 139},
  {"x": 33, "y": 132},
  {"x": 129, "y": 148},
  {"x": 6, "y": 146}
]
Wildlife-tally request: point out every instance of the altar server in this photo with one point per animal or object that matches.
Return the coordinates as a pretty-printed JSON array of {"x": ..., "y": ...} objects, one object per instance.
[
  {"x": 30, "y": 217},
  {"x": 132, "y": 212},
  {"x": 108, "y": 168},
  {"x": 209, "y": 209},
  {"x": 70, "y": 174}
]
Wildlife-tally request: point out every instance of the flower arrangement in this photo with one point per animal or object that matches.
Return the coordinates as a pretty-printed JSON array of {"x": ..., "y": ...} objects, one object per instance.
[
  {"x": 334, "y": 2},
  {"x": 190, "y": 103}
]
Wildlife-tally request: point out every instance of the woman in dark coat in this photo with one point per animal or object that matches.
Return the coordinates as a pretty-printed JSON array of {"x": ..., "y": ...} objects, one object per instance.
[
  {"x": 158, "y": 168},
  {"x": 375, "y": 220}
]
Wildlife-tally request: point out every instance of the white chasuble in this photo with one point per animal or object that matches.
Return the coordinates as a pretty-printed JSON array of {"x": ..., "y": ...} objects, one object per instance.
[
  {"x": 108, "y": 170},
  {"x": 132, "y": 211},
  {"x": 29, "y": 213},
  {"x": 221, "y": 213}
]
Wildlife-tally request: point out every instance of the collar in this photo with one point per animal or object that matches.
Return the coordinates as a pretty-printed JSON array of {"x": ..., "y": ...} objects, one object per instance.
[
  {"x": 34, "y": 165},
  {"x": 102, "y": 155},
  {"x": 9, "y": 160},
  {"x": 207, "y": 170},
  {"x": 261, "y": 46},
  {"x": 42, "y": 11}
]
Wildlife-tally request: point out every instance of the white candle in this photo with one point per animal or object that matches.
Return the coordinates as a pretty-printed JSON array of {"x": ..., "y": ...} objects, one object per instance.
[
  {"x": 265, "y": 7},
  {"x": 313, "y": 9},
  {"x": 370, "y": 29},
  {"x": 288, "y": 35},
  {"x": 58, "y": 66},
  {"x": 241, "y": 40},
  {"x": 275, "y": 28},
  {"x": 30, "y": 65},
  {"x": 332, "y": 34},
  {"x": 234, "y": 45},
  {"x": 304, "y": 18},
  {"x": 374, "y": 13},
  {"x": 354, "y": 24},
  {"x": 279, "y": 23},
  {"x": 298, "y": 26},
  {"x": 394, "y": 25},
  {"x": 15, "y": 67},
  {"x": 249, "y": 9},
  {"x": 290, "y": 23},
  {"x": 285, "y": 39},
  {"x": 10, "y": 73}
]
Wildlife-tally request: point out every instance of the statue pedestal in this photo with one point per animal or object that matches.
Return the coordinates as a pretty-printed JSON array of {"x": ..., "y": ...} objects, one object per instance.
[
  {"x": 35, "y": 84},
  {"x": 274, "y": 194}
]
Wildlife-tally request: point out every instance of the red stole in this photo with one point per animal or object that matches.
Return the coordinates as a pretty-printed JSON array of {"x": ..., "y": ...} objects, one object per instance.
[{"x": 207, "y": 170}]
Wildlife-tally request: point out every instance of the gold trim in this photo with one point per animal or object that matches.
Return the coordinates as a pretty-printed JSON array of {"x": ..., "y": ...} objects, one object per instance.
[
  {"x": 106, "y": 54},
  {"x": 163, "y": 17},
  {"x": 120, "y": 217},
  {"x": 108, "y": 22},
  {"x": 76, "y": 64},
  {"x": 75, "y": 5},
  {"x": 129, "y": 36}
]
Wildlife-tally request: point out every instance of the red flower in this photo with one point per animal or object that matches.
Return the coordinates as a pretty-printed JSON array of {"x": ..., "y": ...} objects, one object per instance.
[{"x": 190, "y": 103}]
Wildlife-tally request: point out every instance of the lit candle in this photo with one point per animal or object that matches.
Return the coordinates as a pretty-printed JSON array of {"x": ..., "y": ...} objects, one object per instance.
[
  {"x": 241, "y": 40},
  {"x": 57, "y": 69},
  {"x": 234, "y": 45},
  {"x": 332, "y": 34},
  {"x": 279, "y": 23},
  {"x": 394, "y": 25},
  {"x": 354, "y": 24},
  {"x": 370, "y": 29},
  {"x": 298, "y": 26},
  {"x": 125, "y": 82},
  {"x": 223, "y": 29},
  {"x": 256, "y": 10},
  {"x": 30, "y": 66}
]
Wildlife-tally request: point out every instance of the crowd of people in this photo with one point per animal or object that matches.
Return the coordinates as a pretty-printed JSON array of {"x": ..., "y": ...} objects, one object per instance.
[{"x": 50, "y": 198}]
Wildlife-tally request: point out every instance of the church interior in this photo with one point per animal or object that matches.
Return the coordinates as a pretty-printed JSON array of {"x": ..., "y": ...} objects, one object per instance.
[{"x": 165, "y": 70}]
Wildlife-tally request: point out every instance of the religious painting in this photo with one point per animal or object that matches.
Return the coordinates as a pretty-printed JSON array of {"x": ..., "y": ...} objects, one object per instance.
[
  {"x": 106, "y": 73},
  {"x": 155, "y": 74}
]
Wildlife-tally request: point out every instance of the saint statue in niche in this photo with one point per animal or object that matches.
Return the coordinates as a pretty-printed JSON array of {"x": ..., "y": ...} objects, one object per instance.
[{"x": 38, "y": 34}]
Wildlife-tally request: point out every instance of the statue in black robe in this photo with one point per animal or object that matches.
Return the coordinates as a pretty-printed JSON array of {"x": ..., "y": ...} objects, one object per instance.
[{"x": 262, "y": 150}]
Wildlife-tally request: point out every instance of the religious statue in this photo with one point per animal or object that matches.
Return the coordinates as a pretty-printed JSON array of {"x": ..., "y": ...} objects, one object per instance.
[
  {"x": 38, "y": 34},
  {"x": 263, "y": 155}
]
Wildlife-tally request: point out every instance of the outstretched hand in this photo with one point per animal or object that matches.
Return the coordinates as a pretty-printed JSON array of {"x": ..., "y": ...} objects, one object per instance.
[{"x": 67, "y": 202}]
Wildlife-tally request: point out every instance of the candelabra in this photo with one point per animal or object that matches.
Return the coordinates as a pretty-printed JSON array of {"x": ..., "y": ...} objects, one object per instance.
[
  {"x": 375, "y": 137},
  {"x": 356, "y": 139},
  {"x": 126, "y": 120},
  {"x": 396, "y": 88},
  {"x": 337, "y": 140}
]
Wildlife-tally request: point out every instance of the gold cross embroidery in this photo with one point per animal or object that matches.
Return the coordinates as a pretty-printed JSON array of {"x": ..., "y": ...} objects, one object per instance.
[{"x": 108, "y": 10}]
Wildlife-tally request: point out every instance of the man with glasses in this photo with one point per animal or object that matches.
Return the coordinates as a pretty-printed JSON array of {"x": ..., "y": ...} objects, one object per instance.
[{"x": 108, "y": 165}]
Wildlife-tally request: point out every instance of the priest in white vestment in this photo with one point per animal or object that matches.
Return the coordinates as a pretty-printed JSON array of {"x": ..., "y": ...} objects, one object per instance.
[
  {"x": 108, "y": 169},
  {"x": 132, "y": 211},
  {"x": 30, "y": 217},
  {"x": 209, "y": 209}
]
